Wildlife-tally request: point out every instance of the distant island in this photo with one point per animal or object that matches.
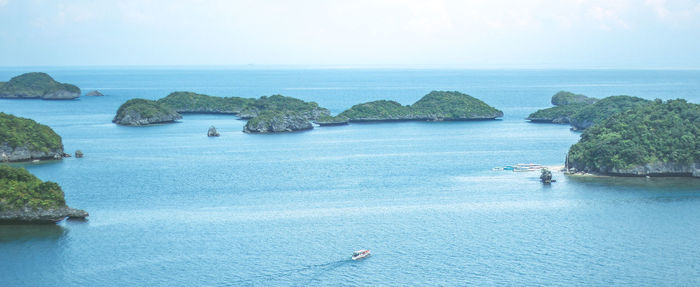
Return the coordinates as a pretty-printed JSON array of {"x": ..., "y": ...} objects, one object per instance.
[
  {"x": 275, "y": 121},
  {"x": 278, "y": 113},
  {"x": 24, "y": 139},
  {"x": 582, "y": 112},
  {"x": 189, "y": 102},
  {"x": 435, "y": 106},
  {"x": 26, "y": 199},
  {"x": 653, "y": 138},
  {"x": 37, "y": 86},
  {"x": 271, "y": 114},
  {"x": 142, "y": 112}
]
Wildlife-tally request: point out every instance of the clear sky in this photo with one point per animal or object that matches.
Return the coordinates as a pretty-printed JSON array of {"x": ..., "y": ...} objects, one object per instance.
[{"x": 405, "y": 33}]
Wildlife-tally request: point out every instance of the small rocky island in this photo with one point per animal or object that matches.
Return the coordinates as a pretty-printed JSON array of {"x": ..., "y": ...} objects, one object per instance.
[
  {"x": 142, "y": 112},
  {"x": 94, "y": 93},
  {"x": 655, "y": 138},
  {"x": 582, "y": 112},
  {"x": 435, "y": 106},
  {"x": 277, "y": 122},
  {"x": 26, "y": 199},
  {"x": 24, "y": 139},
  {"x": 37, "y": 86}
]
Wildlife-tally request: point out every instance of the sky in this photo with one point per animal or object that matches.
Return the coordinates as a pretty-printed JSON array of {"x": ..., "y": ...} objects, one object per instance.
[{"x": 626, "y": 34}]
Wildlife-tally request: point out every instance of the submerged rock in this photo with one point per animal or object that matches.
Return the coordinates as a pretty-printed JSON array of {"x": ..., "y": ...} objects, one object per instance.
[
  {"x": 212, "y": 132},
  {"x": 78, "y": 154}
]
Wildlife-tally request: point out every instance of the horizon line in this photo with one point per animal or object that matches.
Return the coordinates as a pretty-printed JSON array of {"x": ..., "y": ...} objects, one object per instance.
[{"x": 345, "y": 67}]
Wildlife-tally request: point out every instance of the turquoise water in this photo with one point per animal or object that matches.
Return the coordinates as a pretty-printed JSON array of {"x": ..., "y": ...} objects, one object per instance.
[{"x": 171, "y": 207}]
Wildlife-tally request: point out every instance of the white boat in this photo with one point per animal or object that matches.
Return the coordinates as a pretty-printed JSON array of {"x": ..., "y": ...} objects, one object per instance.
[{"x": 359, "y": 254}]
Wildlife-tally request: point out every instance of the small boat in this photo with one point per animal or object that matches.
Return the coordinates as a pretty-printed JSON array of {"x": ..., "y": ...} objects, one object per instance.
[{"x": 359, "y": 254}]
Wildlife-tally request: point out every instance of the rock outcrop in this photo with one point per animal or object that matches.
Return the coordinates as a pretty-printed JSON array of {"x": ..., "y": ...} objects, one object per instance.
[
  {"x": 277, "y": 122},
  {"x": 25, "y": 153},
  {"x": 141, "y": 112},
  {"x": 40, "y": 215},
  {"x": 38, "y": 86},
  {"x": 212, "y": 132},
  {"x": 78, "y": 154},
  {"x": 94, "y": 93}
]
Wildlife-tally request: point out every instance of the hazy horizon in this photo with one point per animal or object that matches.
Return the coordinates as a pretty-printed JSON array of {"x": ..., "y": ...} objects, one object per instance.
[{"x": 578, "y": 34}]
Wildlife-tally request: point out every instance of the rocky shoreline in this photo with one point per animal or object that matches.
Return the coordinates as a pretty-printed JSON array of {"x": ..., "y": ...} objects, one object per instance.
[{"x": 40, "y": 215}]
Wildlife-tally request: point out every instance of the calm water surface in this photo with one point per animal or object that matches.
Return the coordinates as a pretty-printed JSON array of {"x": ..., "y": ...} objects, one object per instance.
[{"x": 171, "y": 207}]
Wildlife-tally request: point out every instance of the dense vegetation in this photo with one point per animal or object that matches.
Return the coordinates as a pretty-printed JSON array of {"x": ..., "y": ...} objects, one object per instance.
[
  {"x": 189, "y": 102},
  {"x": 377, "y": 110},
  {"x": 437, "y": 105},
  {"x": 277, "y": 121},
  {"x": 652, "y": 132},
  {"x": 563, "y": 98},
  {"x": 17, "y": 132},
  {"x": 311, "y": 110},
  {"x": 453, "y": 105},
  {"x": 581, "y": 111},
  {"x": 34, "y": 85},
  {"x": 19, "y": 188},
  {"x": 142, "y": 111},
  {"x": 331, "y": 120},
  {"x": 602, "y": 109},
  {"x": 558, "y": 114}
]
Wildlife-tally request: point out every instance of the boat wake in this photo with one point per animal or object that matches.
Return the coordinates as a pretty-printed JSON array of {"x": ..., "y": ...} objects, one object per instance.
[{"x": 303, "y": 275}]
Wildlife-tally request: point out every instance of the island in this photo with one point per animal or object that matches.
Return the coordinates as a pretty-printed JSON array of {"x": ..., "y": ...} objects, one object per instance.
[
  {"x": 142, "y": 112},
  {"x": 275, "y": 121},
  {"x": 189, "y": 102},
  {"x": 655, "y": 138},
  {"x": 332, "y": 120},
  {"x": 279, "y": 113},
  {"x": 435, "y": 106},
  {"x": 580, "y": 111},
  {"x": 37, "y": 86},
  {"x": 94, "y": 93},
  {"x": 24, "y": 139},
  {"x": 309, "y": 110},
  {"x": 563, "y": 98},
  {"x": 26, "y": 199},
  {"x": 603, "y": 109}
]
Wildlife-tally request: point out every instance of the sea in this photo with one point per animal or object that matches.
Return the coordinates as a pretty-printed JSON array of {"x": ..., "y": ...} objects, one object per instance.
[{"x": 170, "y": 206}]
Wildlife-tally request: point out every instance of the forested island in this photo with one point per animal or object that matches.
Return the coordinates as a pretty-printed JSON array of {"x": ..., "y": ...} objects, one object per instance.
[
  {"x": 24, "y": 139},
  {"x": 26, "y": 199},
  {"x": 653, "y": 138},
  {"x": 37, "y": 86},
  {"x": 142, "y": 112},
  {"x": 435, "y": 106},
  {"x": 582, "y": 112},
  {"x": 278, "y": 113}
]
